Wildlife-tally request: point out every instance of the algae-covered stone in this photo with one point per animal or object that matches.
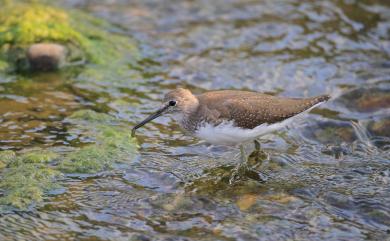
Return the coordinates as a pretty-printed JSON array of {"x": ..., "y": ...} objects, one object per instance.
[
  {"x": 112, "y": 144},
  {"x": 89, "y": 159},
  {"x": 26, "y": 23},
  {"x": 33, "y": 156},
  {"x": 26, "y": 183},
  {"x": 26, "y": 177},
  {"x": 86, "y": 38}
]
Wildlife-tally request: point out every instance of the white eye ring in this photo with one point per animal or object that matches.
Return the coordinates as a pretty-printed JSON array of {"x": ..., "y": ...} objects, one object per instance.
[{"x": 172, "y": 102}]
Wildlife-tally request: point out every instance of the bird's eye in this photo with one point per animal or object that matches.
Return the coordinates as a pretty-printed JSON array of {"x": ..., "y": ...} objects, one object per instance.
[{"x": 172, "y": 102}]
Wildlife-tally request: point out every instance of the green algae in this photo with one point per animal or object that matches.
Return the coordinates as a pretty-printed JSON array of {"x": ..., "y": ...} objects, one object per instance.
[
  {"x": 26, "y": 184},
  {"x": 112, "y": 144},
  {"x": 31, "y": 23},
  {"x": 6, "y": 157},
  {"x": 41, "y": 156},
  {"x": 27, "y": 176},
  {"x": 89, "y": 116},
  {"x": 90, "y": 159}
]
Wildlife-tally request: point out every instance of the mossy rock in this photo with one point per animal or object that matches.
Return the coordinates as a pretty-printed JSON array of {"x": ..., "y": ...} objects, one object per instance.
[
  {"x": 27, "y": 176},
  {"x": 112, "y": 146},
  {"x": 27, "y": 181},
  {"x": 34, "y": 156},
  {"x": 380, "y": 127},
  {"x": 24, "y": 23}
]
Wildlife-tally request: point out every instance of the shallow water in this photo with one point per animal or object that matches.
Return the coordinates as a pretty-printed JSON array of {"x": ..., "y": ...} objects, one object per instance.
[{"x": 327, "y": 176}]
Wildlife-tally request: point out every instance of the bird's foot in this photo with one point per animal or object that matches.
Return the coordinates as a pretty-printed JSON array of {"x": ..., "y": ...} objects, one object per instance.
[
  {"x": 243, "y": 170},
  {"x": 237, "y": 173},
  {"x": 257, "y": 145},
  {"x": 255, "y": 159}
]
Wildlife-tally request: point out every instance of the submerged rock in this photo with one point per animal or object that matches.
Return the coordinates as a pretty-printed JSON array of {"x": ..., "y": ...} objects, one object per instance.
[
  {"x": 330, "y": 132},
  {"x": 380, "y": 127},
  {"x": 365, "y": 100},
  {"x": 246, "y": 201}
]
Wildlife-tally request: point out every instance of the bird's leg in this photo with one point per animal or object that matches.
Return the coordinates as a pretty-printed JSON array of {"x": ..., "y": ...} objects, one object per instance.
[
  {"x": 243, "y": 155},
  {"x": 241, "y": 168},
  {"x": 257, "y": 145},
  {"x": 255, "y": 160}
]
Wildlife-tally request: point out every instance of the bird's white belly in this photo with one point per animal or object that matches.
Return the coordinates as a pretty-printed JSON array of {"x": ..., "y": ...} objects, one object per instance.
[{"x": 228, "y": 134}]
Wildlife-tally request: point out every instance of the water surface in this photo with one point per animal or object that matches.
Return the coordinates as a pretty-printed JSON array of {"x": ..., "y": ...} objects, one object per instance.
[{"x": 327, "y": 176}]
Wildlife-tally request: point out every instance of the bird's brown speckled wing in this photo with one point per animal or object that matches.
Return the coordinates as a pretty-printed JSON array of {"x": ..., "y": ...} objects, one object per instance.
[{"x": 251, "y": 109}]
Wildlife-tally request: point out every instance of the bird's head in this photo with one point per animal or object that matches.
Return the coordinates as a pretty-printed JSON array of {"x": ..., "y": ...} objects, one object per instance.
[{"x": 179, "y": 101}]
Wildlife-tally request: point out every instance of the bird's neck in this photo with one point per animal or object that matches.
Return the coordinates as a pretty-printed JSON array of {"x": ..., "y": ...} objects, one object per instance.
[
  {"x": 190, "y": 105},
  {"x": 188, "y": 120}
]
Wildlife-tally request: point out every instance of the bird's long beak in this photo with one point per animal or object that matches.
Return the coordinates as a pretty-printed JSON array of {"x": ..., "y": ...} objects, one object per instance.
[{"x": 150, "y": 118}]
